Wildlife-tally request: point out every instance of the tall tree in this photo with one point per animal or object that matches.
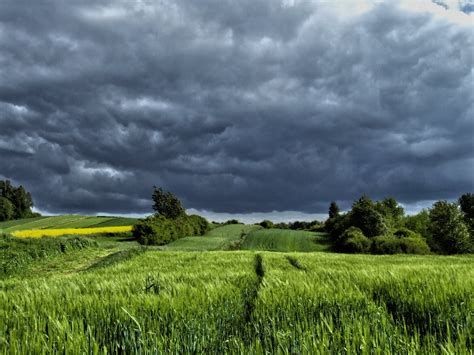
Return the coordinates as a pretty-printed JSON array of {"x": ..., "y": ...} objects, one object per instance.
[
  {"x": 166, "y": 204},
  {"x": 466, "y": 202},
  {"x": 365, "y": 216},
  {"x": 448, "y": 230},
  {"x": 333, "y": 209},
  {"x": 7, "y": 210},
  {"x": 19, "y": 198}
]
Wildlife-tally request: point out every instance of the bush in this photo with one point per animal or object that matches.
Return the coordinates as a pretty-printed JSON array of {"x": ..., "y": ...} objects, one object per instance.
[
  {"x": 395, "y": 245},
  {"x": 266, "y": 224},
  {"x": 158, "y": 230},
  {"x": 354, "y": 241},
  {"x": 232, "y": 221},
  {"x": 406, "y": 233}
]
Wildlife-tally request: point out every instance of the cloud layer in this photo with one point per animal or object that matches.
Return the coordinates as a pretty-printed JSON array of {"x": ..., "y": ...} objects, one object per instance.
[{"x": 237, "y": 107}]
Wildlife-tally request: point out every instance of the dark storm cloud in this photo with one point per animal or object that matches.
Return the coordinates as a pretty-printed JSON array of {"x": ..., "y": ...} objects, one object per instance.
[{"x": 234, "y": 106}]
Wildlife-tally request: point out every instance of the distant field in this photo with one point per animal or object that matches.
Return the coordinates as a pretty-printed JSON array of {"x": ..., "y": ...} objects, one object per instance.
[
  {"x": 220, "y": 238},
  {"x": 64, "y": 222},
  {"x": 38, "y": 233},
  {"x": 285, "y": 240}
]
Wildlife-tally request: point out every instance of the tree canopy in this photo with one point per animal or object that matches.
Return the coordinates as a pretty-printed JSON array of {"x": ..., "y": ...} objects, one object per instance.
[{"x": 15, "y": 202}]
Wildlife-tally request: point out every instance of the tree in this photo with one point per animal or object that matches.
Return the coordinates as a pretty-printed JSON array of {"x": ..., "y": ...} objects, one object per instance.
[
  {"x": 449, "y": 233},
  {"x": 7, "y": 210},
  {"x": 466, "y": 202},
  {"x": 166, "y": 204},
  {"x": 333, "y": 210},
  {"x": 18, "y": 197},
  {"x": 365, "y": 217},
  {"x": 391, "y": 210},
  {"x": 419, "y": 223},
  {"x": 266, "y": 224}
]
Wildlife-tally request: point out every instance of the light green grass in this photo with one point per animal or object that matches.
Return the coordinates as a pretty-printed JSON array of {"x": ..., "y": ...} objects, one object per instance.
[
  {"x": 286, "y": 240},
  {"x": 213, "y": 302},
  {"x": 220, "y": 238}
]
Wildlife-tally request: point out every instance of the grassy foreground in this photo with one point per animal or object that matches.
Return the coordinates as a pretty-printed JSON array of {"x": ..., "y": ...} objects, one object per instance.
[
  {"x": 215, "y": 302},
  {"x": 106, "y": 294}
]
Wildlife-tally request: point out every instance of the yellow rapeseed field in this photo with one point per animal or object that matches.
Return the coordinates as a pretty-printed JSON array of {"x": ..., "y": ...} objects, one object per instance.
[{"x": 37, "y": 233}]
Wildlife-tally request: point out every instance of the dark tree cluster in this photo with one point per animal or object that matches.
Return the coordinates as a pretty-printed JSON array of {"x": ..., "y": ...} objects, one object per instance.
[
  {"x": 170, "y": 221},
  {"x": 15, "y": 202},
  {"x": 296, "y": 225},
  {"x": 382, "y": 228}
]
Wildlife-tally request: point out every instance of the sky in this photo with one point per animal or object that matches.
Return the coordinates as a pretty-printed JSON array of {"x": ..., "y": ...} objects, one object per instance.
[{"x": 251, "y": 108}]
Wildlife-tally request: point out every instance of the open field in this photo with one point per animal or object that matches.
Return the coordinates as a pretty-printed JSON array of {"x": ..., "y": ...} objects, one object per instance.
[
  {"x": 285, "y": 240},
  {"x": 216, "y": 302},
  {"x": 64, "y": 222},
  {"x": 220, "y": 238},
  {"x": 110, "y": 295}
]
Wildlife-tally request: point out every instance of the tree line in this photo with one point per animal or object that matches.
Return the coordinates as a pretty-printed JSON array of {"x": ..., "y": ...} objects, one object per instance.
[
  {"x": 15, "y": 202},
  {"x": 381, "y": 227}
]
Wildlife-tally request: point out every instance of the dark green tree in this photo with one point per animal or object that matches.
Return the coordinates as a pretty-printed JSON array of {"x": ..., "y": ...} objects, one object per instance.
[
  {"x": 333, "y": 210},
  {"x": 418, "y": 223},
  {"x": 391, "y": 210},
  {"x": 7, "y": 210},
  {"x": 19, "y": 198},
  {"x": 448, "y": 231},
  {"x": 166, "y": 204},
  {"x": 466, "y": 202},
  {"x": 365, "y": 216}
]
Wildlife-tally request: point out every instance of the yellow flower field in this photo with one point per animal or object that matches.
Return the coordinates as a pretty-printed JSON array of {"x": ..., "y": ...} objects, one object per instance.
[{"x": 37, "y": 233}]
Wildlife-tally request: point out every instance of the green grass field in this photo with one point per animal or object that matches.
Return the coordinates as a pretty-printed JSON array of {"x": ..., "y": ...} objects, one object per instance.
[
  {"x": 221, "y": 238},
  {"x": 116, "y": 297},
  {"x": 285, "y": 240},
  {"x": 65, "y": 221}
]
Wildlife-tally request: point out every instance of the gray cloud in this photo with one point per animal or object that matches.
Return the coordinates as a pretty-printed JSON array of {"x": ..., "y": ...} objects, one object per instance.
[{"x": 237, "y": 107}]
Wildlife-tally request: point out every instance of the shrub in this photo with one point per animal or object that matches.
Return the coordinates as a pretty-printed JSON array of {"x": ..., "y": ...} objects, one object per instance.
[
  {"x": 394, "y": 245},
  {"x": 266, "y": 224},
  {"x": 405, "y": 233},
  {"x": 353, "y": 241},
  {"x": 158, "y": 230}
]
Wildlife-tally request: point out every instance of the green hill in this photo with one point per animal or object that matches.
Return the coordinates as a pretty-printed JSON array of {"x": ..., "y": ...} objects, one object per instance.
[
  {"x": 64, "y": 221},
  {"x": 285, "y": 240}
]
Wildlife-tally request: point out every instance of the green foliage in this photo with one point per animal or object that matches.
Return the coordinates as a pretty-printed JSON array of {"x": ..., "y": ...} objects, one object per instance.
[
  {"x": 266, "y": 224},
  {"x": 7, "y": 210},
  {"x": 466, "y": 202},
  {"x": 365, "y": 216},
  {"x": 166, "y": 204},
  {"x": 19, "y": 198},
  {"x": 405, "y": 233},
  {"x": 418, "y": 223},
  {"x": 333, "y": 209},
  {"x": 159, "y": 230},
  {"x": 394, "y": 245},
  {"x": 391, "y": 211},
  {"x": 354, "y": 241},
  {"x": 449, "y": 233},
  {"x": 232, "y": 221}
]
